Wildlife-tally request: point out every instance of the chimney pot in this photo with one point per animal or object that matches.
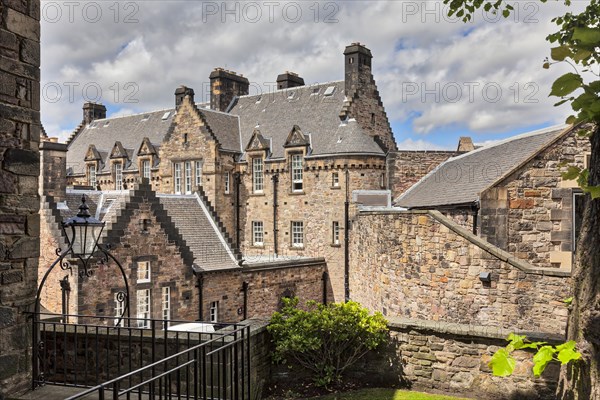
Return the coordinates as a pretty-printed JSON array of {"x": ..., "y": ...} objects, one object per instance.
[{"x": 289, "y": 80}]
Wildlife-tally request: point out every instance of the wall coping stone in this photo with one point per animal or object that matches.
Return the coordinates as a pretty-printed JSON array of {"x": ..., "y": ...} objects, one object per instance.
[
  {"x": 476, "y": 240},
  {"x": 469, "y": 330}
]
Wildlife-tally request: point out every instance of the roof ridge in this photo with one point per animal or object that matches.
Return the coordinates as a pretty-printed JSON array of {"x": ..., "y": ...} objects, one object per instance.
[{"x": 288, "y": 89}]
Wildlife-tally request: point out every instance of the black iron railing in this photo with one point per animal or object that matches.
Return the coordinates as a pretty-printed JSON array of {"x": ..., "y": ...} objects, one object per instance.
[{"x": 153, "y": 360}]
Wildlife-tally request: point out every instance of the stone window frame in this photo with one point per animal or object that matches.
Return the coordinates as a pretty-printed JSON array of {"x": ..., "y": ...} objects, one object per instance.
[
  {"x": 335, "y": 180},
  {"x": 227, "y": 182},
  {"x": 335, "y": 233},
  {"x": 297, "y": 233},
  {"x": 117, "y": 170},
  {"x": 142, "y": 167},
  {"x": 258, "y": 181},
  {"x": 297, "y": 172},
  {"x": 89, "y": 165}
]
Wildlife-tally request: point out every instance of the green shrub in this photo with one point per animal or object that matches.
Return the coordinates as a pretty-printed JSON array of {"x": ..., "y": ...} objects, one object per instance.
[{"x": 325, "y": 339}]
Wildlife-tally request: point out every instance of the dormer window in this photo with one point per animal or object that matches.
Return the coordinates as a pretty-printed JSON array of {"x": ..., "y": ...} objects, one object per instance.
[
  {"x": 257, "y": 175},
  {"x": 118, "y": 171},
  {"x": 146, "y": 169},
  {"x": 297, "y": 170},
  {"x": 92, "y": 175}
]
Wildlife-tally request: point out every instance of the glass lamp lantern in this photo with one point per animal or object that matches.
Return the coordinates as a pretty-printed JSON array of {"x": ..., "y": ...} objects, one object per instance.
[{"x": 84, "y": 232}]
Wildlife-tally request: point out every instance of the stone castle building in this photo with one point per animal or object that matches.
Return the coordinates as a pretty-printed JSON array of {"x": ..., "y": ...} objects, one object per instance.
[{"x": 278, "y": 168}]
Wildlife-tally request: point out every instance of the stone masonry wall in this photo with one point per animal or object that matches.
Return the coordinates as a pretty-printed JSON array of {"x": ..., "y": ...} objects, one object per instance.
[
  {"x": 407, "y": 167},
  {"x": 318, "y": 206},
  {"x": 530, "y": 212},
  {"x": 267, "y": 284},
  {"x": 421, "y": 265},
  {"x": 19, "y": 172}
]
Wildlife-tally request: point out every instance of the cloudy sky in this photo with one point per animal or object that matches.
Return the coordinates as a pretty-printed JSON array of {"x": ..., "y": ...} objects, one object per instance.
[{"x": 439, "y": 78}]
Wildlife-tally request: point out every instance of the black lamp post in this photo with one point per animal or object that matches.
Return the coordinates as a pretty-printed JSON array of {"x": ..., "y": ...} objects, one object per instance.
[{"x": 82, "y": 233}]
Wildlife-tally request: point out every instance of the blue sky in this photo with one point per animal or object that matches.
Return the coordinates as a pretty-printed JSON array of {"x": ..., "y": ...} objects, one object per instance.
[{"x": 439, "y": 78}]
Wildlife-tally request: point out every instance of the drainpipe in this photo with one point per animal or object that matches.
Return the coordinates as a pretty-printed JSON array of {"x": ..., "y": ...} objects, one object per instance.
[
  {"x": 200, "y": 286},
  {"x": 238, "y": 181},
  {"x": 245, "y": 290},
  {"x": 275, "y": 179},
  {"x": 347, "y": 238},
  {"x": 324, "y": 279},
  {"x": 475, "y": 209},
  {"x": 65, "y": 288}
]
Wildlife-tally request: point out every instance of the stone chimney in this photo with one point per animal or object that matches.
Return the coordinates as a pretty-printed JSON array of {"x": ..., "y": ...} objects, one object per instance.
[
  {"x": 180, "y": 94},
  {"x": 358, "y": 75},
  {"x": 289, "y": 80},
  {"x": 53, "y": 163},
  {"x": 224, "y": 86},
  {"x": 93, "y": 111},
  {"x": 465, "y": 144}
]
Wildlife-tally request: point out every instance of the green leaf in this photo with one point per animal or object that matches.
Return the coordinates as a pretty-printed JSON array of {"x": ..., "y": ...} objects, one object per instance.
[
  {"x": 566, "y": 84},
  {"x": 581, "y": 54},
  {"x": 541, "y": 359},
  {"x": 571, "y": 120},
  {"x": 571, "y": 173},
  {"x": 568, "y": 301},
  {"x": 567, "y": 352},
  {"x": 586, "y": 35},
  {"x": 502, "y": 363},
  {"x": 560, "y": 53},
  {"x": 594, "y": 191}
]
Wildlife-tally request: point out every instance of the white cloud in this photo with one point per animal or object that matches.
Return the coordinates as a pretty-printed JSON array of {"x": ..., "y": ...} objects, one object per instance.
[
  {"x": 179, "y": 42},
  {"x": 419, "y": 144}
]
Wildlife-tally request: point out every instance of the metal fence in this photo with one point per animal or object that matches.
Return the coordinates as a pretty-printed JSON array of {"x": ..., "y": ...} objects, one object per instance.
[{"x": 147, "y": 359}]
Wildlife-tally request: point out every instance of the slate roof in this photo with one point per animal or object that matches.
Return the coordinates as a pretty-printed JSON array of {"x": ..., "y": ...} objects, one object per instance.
[
  {"x": 199, "y": 231},
  {"x": 275, "y": 114},
  {"x": 187, "y": 213},
  {"x": 461, "y": 179},
  {"x": 132, "y": 129}
]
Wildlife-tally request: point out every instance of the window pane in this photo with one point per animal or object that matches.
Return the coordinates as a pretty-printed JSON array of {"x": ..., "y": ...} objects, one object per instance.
[
  {"x": 118, "y": 176},
  {"x": 92, "y": 175},
  {"x": 335, "y": 179},
  {"x": 214, "y": 311},
  {"x": 188, "y": 177},
  {"x": 227, "y": 182},
  {"x": 143, "y": 308},
  {"x": 166, "y": 303},
  {"x": 258, "y": 233},
  {"x": 336, "y": 232},
  {"x": 198, "y": 173},
  {"x": 177, "y": 177},
  {"x": 146, "y": 169},
  {"x": 257, "y": 174},
  {"x": 297, "y": 234},
  {"x": 297, "y": 172},
  {"x": 143, "y": 271}
]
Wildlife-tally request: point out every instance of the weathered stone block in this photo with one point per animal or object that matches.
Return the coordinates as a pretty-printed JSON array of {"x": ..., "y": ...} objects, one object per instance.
[
  {"x": 25, "y": 247},
  {"x": 9, "y": 277},
  {"x": 23, "y": 25},
  {"x": 9, "y": 366},
  {"x": 30, "y": 52},
  {"x": 7, "y": 317},
  {"x": 22, "y": 162}
]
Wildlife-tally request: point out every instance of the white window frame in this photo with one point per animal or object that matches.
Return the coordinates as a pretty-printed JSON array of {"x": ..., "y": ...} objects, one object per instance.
[
  {"x": 214, "y": 312},
  {"x": 144, "y": 272},
  {"x": 146, "y": 173},
  {"x": 143, "y": 307},
  {"x": 227, "y": 182},
  {"x": 118, "y": 167},
  {"x": 165, "y": 297},
  {"x": 119, "y": 308},
  {"x": 335, "y": 230},
  {"x": 92, "y": 175},
  {"x": 335, "y": 179},
  {"x": 177, "y": 178},
  {"x": 188, "y": 177},
  {"x": 257, "y": 175},
  {"x": 198, "y": 171},
  {"x": 297, "y": 173},
  {"x": 258, "y": 233},
  {"x": 297, "y": 234}
]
